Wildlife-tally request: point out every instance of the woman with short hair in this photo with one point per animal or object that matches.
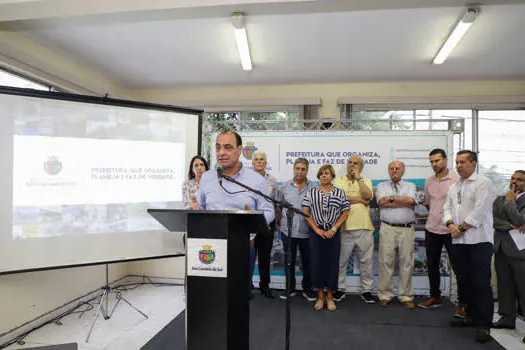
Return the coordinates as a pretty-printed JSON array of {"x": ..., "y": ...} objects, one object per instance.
[{"x": 328, "y": 207}]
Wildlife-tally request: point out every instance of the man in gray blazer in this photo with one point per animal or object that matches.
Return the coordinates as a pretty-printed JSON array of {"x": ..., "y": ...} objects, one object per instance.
[{"x": 509, "y": 213}]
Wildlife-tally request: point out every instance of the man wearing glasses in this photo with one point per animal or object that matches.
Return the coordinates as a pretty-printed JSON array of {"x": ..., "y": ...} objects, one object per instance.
[{"x": 468, "y": 216}]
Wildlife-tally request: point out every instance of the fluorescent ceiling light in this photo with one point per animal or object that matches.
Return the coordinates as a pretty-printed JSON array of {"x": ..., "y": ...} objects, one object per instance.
[
  {"x": 241, "y": 37},
  {"x": 461, "y": 28}
]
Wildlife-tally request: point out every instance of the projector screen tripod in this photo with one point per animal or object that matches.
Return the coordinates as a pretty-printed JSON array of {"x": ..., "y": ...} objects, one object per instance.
[{"x": 103, "y": 306}]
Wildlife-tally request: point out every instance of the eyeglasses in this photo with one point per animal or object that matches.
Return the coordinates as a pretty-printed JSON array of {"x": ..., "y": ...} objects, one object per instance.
[{"x": 459, "y": 197}]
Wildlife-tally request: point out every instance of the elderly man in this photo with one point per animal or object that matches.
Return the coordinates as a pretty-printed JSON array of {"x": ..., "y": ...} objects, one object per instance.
[
  {"x": 294, "y": 191},
  {"x": 437, "y": 234},
  {"x": 224, "y": 195},
  {"x": 509, "y": 214},
  {"x": 468, "y": 216},
  {"x": 357, "y": 231},
  {"x": 264, "y": 243},
  {"x": 397, "y": 200}
]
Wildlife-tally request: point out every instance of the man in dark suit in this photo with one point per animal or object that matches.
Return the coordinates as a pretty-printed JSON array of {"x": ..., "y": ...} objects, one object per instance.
[{"x": 509, "y": 214}]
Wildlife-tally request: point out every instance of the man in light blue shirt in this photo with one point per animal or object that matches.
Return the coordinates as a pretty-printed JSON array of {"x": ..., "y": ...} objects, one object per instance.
[
  {"x": 294, "y": 191},
  {"x": 397, "y": 199},
  {"x": 213, "y": 195}
]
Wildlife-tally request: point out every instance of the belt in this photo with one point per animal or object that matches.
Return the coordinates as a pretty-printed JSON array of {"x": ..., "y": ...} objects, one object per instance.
[{"x": 399, "y": 225}]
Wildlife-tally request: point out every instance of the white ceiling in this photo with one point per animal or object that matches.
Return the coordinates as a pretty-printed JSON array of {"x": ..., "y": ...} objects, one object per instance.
[{"x": 175, "y": 48}]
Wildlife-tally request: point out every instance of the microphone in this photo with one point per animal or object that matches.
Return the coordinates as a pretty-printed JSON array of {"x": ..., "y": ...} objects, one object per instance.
[{"x": 219, "y": 175}]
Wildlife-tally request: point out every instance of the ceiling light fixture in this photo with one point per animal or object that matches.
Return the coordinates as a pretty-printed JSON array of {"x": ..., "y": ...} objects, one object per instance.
[
  {"x": 461, "y": 28},
  {"x": 241, "y": 37}
]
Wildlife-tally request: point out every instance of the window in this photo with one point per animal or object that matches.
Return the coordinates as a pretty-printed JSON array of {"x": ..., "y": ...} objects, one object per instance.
[
  {"x": 501, "y": 146},
  {"x": 252, "y": 121},
  {"x": 9, "y": 79}
]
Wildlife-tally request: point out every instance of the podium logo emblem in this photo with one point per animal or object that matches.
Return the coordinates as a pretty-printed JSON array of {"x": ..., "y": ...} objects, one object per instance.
[
  {"x": 249, "y": 150},
  {"x": 207, "y": 255},
  {"x": 52, "y": 166}
]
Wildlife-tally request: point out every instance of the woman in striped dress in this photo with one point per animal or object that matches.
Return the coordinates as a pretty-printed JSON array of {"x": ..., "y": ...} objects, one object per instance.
[{"x": 328, "y": 208}]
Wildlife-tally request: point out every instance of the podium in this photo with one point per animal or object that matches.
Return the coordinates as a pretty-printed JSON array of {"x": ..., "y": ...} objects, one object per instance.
[{"x": 217, "y": 273}]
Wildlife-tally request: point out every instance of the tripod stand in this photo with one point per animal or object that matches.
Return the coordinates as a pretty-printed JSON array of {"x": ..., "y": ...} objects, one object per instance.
[{"x": 104, "y": 299}]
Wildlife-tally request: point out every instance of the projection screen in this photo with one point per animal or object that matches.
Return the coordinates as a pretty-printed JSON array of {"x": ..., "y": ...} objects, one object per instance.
[{"x": 79, "y": 173}]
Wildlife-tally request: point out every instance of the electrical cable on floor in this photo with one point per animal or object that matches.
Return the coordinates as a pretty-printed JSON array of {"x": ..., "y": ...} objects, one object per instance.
[{"x": 57, "y": 320}]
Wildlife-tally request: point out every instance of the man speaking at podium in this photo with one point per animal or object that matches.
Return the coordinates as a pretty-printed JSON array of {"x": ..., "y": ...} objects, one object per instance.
[{"x": 216, "y": 194}]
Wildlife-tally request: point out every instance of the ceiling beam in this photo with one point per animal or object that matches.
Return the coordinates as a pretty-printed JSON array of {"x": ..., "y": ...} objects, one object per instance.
[{"x": 16, "y": 10}]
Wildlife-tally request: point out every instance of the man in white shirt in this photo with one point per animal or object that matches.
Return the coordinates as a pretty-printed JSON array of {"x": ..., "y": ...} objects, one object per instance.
[
  {"x": 468, "y": 216},
  {"x": 397, "y": 199}
]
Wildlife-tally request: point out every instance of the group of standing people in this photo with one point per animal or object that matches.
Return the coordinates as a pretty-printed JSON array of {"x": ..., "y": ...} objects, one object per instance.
[{"x": 461, "y": 218}]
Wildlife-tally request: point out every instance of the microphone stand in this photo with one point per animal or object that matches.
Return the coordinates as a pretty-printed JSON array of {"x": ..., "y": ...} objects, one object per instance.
[{"x": 290, "y": 212}]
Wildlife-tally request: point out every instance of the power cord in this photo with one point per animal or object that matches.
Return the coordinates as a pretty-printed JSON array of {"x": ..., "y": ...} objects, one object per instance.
[{"x": 74, "y": 310}]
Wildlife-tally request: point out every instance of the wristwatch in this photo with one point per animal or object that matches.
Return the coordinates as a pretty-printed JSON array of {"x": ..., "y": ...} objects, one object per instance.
[
  {"x": 334, "y": 229},
  {"x": 391, "y": 200},
  {"x": 449, "y": 222},
  {"x": 360, "y": 179}
]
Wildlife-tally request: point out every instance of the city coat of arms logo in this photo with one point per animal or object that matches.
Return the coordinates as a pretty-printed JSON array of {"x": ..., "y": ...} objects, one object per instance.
[
  {"x": 249, "y": 150},
  {"x": 207, "y": 255},
  {"x": 52, "y": 166}
]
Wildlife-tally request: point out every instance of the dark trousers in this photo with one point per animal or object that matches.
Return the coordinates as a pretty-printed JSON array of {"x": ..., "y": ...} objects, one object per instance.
[
  {"x": 434, "y": 244},
  {"x": 325, "y": 260},
  {"x": 511, "y": 284},
  {"x": 473, "y": 263},
  {"x": 304, "y": 250},
  {"x": 263, "y": 249}
]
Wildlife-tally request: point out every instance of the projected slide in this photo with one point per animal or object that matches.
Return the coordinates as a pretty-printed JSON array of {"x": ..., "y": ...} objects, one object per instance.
[
  {"x": 67, "y": 186},
  {"x": 85, "y": 169}
]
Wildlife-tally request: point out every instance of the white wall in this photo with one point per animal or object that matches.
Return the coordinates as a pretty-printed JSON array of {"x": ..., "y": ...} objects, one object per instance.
[
  {"x": 329, "y": 93},
  {"x": 25, "y": 296}
]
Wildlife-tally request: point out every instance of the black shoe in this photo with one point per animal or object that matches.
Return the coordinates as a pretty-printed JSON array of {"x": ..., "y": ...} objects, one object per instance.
[
  {"x": 368, "y": 298},
  {"x": 483, "y": 335},
  {"x": 283, "y": 296},
  {"x": 266, "y": 291},
  {"x": 503, "y": 323},
  {"x": 310, "y": 295},
  {"x": 339, "y": 295},
  {"x": 461, "y": 322}
]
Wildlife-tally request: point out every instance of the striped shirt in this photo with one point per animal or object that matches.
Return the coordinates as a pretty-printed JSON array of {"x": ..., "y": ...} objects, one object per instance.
[{"x": 325, "y": 210}]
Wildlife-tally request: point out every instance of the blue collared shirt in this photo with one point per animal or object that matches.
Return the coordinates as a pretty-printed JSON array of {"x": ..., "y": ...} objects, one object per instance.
[
  {"x": 290, "y": 193},
  {"x": 396, "y": 215},
  {"x": 212, "y": 196}
]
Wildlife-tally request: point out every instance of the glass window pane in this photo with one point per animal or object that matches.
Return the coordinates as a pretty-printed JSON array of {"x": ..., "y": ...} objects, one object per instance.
[
  {"x": 8, "y": 79},
  {"x": 501, "y": 146}
]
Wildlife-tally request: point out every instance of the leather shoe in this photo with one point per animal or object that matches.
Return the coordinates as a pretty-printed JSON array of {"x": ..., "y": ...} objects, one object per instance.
[
  {"x": 409, "y": 304},
  {"x": 267, "y": 293},
  {"x": 502, "y": 323},
  {"x": 483, "y": 335},
  {"x": 384, "y": 302},
  {"x": 461, "y": 322}
]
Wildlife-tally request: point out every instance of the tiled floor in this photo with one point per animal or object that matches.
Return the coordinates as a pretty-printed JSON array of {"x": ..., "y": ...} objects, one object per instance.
[
  {"x": 125, "y": 330},
  {"x": 128, "y": 330}
]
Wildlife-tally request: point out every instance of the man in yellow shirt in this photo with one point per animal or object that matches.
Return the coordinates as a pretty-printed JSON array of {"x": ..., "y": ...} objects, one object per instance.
[{"x": 357, "y": 231}]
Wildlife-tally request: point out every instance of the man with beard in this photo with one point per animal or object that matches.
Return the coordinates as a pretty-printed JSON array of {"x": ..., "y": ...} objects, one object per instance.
[{"x": 437, "y": 234}]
